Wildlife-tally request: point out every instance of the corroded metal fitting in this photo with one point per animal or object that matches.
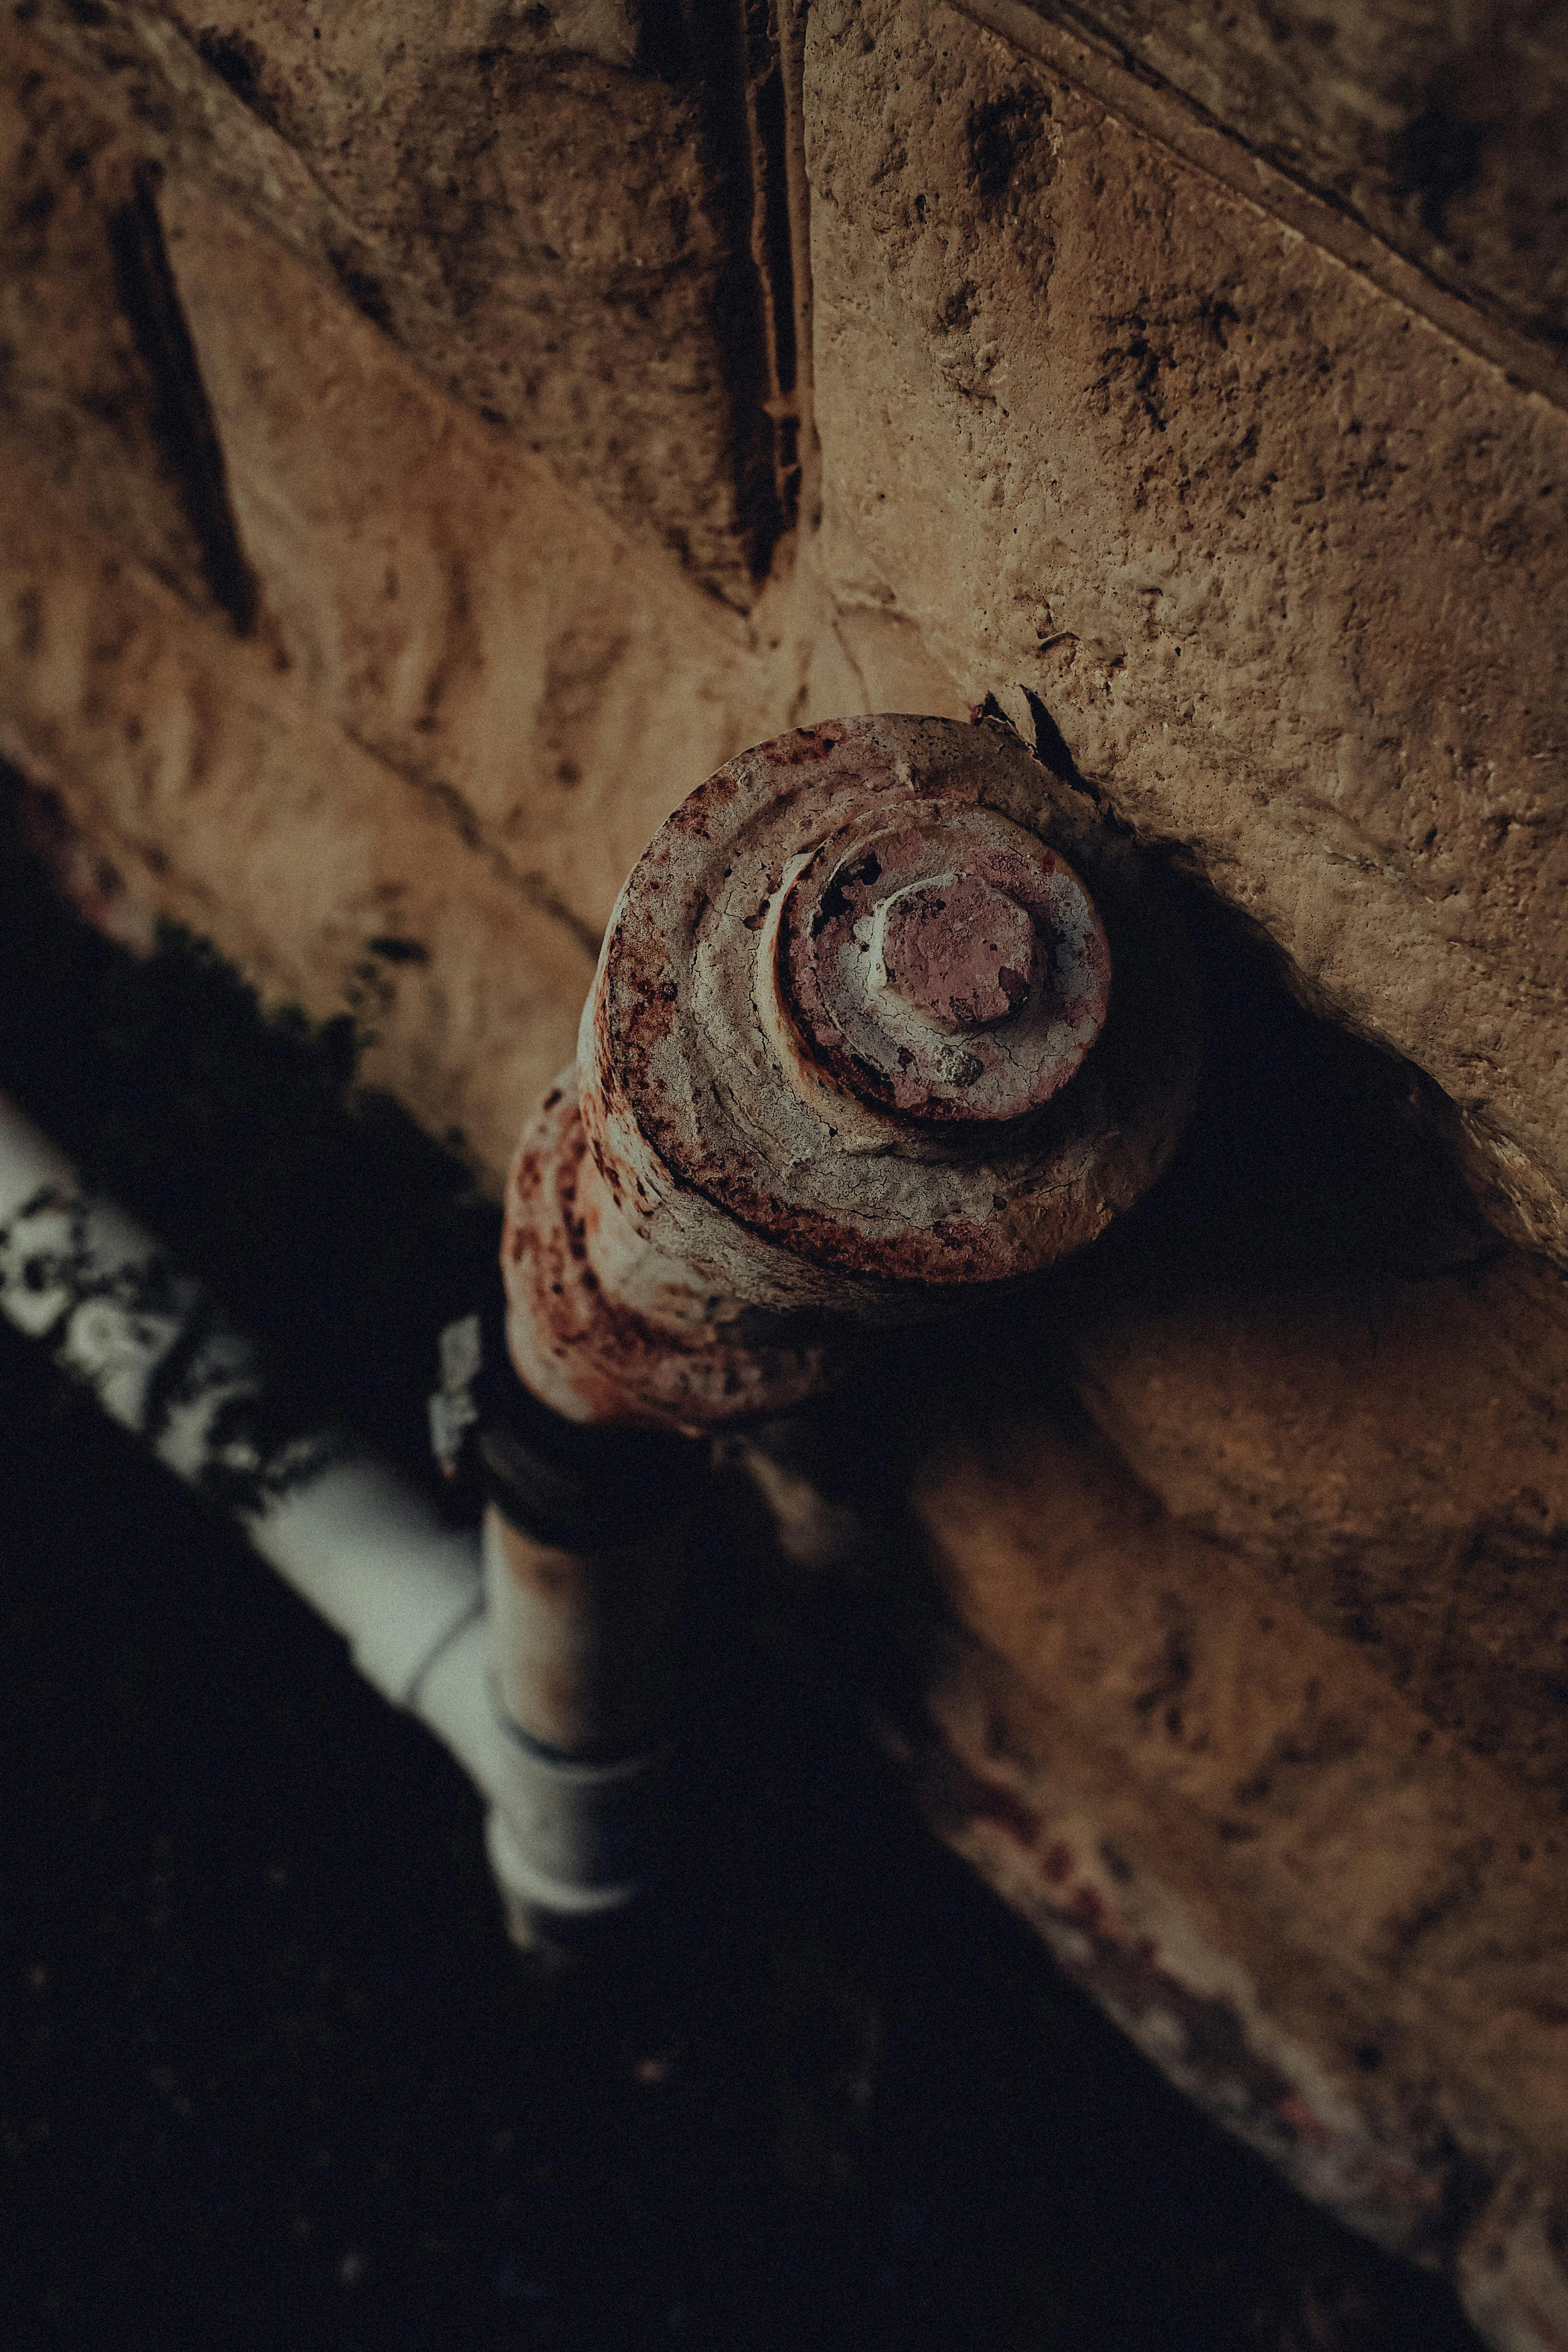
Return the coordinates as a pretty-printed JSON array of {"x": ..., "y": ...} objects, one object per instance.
[
  {"x": 952, "y": 970},
  {"x": 887, "y": 1012}
]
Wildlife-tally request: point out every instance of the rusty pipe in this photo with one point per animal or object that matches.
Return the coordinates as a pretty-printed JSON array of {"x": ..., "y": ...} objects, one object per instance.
[{"x": 887, "y": 1015}]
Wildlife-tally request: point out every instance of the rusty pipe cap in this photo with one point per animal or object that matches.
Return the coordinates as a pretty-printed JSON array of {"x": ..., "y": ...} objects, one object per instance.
[
  {"x": 954, "y": 971},
  {"x": 886, "y": 1005}
]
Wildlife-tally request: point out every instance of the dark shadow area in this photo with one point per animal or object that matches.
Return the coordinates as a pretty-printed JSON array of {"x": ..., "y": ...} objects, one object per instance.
[{"x": 272, "y": 2074}]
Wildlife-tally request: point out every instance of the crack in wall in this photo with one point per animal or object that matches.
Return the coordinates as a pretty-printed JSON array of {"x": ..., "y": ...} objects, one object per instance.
[{"x": 183, "y": 418}]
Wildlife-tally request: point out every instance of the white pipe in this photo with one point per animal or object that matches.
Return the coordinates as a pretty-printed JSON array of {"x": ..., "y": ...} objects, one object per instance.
[{"x": 340, "y": 1525}]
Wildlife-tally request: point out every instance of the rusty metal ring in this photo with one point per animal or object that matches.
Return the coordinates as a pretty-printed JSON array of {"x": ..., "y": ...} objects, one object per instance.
[
  {"x": 952, "y": 969},
  {"x": 774, "y": 1168}
]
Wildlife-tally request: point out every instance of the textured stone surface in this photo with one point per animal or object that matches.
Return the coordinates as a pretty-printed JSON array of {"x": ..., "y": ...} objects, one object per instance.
[
  {"x": 1327, "y": 1921},
  {"x": 445, "y": 599},
  {"x": 544, "y": 221},
  {"x": 1392, "y": 1456},
  {"x": 1312, "y": 1555},
  {"x": 1445, "y": 130},
  {"x": 1282, "y": 562},
  {"x": 225, "y": 799}
]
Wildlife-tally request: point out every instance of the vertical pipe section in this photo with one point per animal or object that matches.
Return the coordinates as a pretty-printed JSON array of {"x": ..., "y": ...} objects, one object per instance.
[
  {"x": 586, "y": 1538},
  {"x": 557, "y": 1699}
]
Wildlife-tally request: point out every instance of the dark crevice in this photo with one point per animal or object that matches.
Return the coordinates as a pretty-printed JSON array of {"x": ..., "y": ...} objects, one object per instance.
[
  {"x": 182, "y": 418},
  {"x": 1437, "y": 158},
  {"x": 238, "y": 62},
  {"x": 664, "y": 40},
  {"x": 737, "y": 41},
  {"x": 772, "y": 249}
]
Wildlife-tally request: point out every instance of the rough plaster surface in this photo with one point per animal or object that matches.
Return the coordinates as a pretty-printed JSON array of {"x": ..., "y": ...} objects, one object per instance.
[
  {"x": 1328, "y": 1921},
  {"x": 1390, "y": 1455},
  {"x": 546, "y": 227},
  {"x": 1284, "y": 564},
  {"x": 1442, "y": 127}
]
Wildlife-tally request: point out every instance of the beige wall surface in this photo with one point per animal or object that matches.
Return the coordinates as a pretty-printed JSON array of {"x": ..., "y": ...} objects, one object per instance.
[{"x": 1440, "y": 127}]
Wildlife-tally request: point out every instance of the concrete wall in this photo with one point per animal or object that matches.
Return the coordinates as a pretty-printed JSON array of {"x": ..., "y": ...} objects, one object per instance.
[{"x": 1440, "y": 128}]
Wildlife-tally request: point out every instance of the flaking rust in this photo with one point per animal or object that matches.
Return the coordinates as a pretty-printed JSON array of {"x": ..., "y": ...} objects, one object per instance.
[
  {"x": 886, "y": 1015},
  {"x": 644, "y": 1343}
]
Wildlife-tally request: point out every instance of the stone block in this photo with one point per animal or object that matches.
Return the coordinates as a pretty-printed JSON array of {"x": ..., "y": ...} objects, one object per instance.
[
  {"x": 1442, "y": 131},
  {"x": 1325, "y": 1920},
  {"x": 1388, "y": 1453}
]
